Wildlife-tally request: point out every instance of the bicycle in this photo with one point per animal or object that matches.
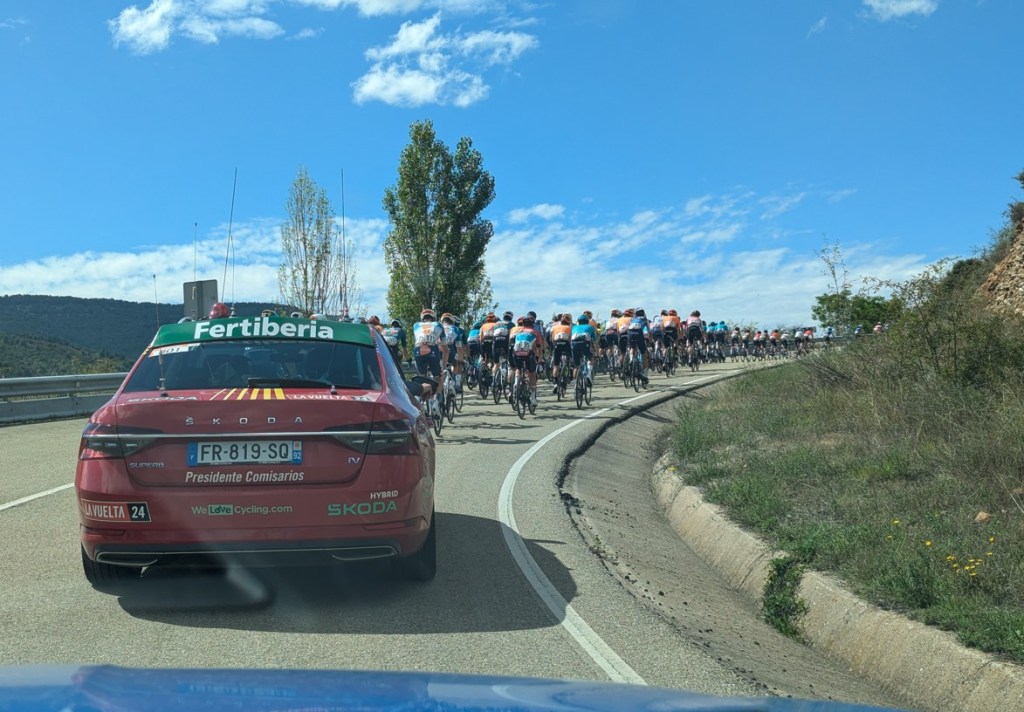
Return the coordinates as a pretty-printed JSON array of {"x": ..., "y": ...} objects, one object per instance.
[
  {"x": 430, "y": 406},
  {"x": 500, "y": 385},
  {"x": 637, "y": 368},
  {"x": 584, "y": 383},
  {"x": 693, "y": 356},
  {"x": 670, "y": 360},
  {"x": 562, "y": 382},
  {"x": 448, "y": 402},
  {"x": 458, "y": 398}
]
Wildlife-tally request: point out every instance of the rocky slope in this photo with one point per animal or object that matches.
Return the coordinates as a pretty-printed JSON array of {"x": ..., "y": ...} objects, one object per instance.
[{"x": 1004, "y": 288}]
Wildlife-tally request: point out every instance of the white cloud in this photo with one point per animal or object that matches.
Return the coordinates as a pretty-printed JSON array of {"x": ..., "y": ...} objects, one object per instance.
[
  {"x": 250, "y": 276},
  {"x": 151, "y": 29},
  {"x": 307, "y": 33},
  {"x": 836, "y": 196},
  {"x": 12, "y": 23},
  {"x": 145, "y": 31},
  {"x": 817, "y": 27},
  {"x": 544, "y": 211},
  {"x": 422, "y": 66},
  {"x": 886, "y": 10},
  {"x": 776, "y": 205}
]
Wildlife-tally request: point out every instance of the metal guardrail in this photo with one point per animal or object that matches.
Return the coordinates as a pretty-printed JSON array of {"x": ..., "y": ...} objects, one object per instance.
[{"x": 50, "y": 397}]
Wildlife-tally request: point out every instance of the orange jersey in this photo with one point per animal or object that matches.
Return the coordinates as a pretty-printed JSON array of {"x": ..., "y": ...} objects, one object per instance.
[
  {"x": 560, "y": 333},
  {"x": 487, "y": 331},
  {"x": 670, "y": 322},
  {"x": 624, "y": 323}
]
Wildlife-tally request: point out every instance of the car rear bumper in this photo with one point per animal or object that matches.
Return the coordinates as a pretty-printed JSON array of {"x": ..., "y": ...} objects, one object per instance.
[{"x": 256, "y": 547}]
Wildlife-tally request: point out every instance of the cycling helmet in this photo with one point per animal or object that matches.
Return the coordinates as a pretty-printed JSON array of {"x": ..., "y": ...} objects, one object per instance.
[
  {"x": 219, "y": 311},
  {"x": 532, "y": 314},
  {"x": 583, "y": 318},
  {"x": 616, "y": 313},
  {"x": 664, "y": 312},
  {"x": 529, "y": 321},
  {"x": 491, "y": 317},
  {"x": 673, "y": 312},
  {"x": 428, "y": 314},
  {"x": 695, "y": 312},
  {"x": 477, "y": 324},
  {"x": 507, "y": 316},
  {"x": 566, "y": 319},
  {"x": 314, "y": 317},
  {"x": 628, "y": 312},
  {"x": 447, "y": 318},
  {"x": 396, "y": 323},
  {"x": 520, "y": 320},
  {"x": 639, "y": 312},
  {"x": 589, "y": 314},
  {"x": 375, "y": 320}
]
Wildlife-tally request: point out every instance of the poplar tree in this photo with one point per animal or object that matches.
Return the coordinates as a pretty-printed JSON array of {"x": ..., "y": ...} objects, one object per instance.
[
  {"x": 318, "y": 273},
  {"x": 435, "y": 249}
]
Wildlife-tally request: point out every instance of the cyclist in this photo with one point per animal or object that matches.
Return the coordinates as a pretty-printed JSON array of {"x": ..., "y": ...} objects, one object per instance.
[
  {"x": 695, "y": 333},
  {"x": 639, "y": 333},
  {"x": 487, "y": 339},
  {"x": 670, "y": 325},
  {"x": 560, "y": 335},
  {"x": 456, "y": 351},
  {"x": 658, "y": 333},
  {"x": 374, "y": 321},
  {"x": 501, "y": 331},
  {"x": 526, "y": 350},
  {"x": 610, "y": 336},
  {"x": 584, "y": 339},
  {"x": 394, "y": 336},
  {"x": 431, "y": 347}
]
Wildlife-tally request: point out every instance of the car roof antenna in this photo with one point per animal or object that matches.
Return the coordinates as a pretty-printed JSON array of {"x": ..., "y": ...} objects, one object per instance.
[
  {"x": 160, "y": 358},
  {"x": 231, "y": 247}
]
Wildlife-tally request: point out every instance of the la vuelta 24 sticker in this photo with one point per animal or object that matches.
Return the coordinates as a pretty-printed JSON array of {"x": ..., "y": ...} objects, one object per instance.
[{"x": 115, "y": 511}]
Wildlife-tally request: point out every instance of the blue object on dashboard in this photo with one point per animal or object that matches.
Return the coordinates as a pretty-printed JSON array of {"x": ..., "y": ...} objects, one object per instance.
[{"x": 116, "y": 688}]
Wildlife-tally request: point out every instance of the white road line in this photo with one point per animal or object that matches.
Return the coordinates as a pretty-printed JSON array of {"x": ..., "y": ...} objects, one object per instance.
[
  {"x": 15, "y": 503},
  {"x": 607, "y": 659}
]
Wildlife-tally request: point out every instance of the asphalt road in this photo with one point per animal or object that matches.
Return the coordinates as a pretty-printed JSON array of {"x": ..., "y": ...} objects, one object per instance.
[{"x": 536, "y": 603}]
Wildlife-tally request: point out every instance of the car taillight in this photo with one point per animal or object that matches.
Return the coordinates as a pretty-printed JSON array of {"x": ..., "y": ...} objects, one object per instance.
[
  {"x": 353, "y": 437},
  {"x": 392, "y": 437},
  {"x": 103, "y": 441}
]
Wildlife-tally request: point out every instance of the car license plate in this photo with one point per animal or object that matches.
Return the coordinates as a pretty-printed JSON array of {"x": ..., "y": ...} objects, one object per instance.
[{"x": 241, "y": 452}]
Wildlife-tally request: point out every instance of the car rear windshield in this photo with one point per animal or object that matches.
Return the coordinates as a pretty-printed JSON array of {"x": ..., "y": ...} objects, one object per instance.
[{"x": 249, "y": 363}]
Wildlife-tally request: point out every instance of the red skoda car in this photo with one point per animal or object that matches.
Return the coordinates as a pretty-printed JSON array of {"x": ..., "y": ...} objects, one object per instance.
[{"x": 257, "y": 441}]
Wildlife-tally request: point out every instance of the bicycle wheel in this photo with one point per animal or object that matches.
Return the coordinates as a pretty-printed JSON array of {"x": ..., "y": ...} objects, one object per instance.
[
  {"x": 496, "y": 388},
  {"x": 449, "y": 404},
  {"x": 580, "y": 388},
  {"x": 637, "y": 375},
  {"x": 435, "y": 417},
  {"x": 460, "y": 399},
  {"x": 588, "y": 394},
  {"x": 520, "y": 399}
]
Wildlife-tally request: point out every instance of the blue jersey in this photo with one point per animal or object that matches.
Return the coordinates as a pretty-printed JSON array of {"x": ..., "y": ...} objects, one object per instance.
[
  {"x": 638, "y": 325},
  {"x": 502, "y": 329},
  {"x": 428, "y": 335},
  {"x": 452, "y": 334},
  {"x": 584, "y": 332},
  {"x": 474, "y": 336}
]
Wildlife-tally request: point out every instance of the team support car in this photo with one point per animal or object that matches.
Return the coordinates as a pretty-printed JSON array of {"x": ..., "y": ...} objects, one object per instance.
[{"x": 259, "y": 441}]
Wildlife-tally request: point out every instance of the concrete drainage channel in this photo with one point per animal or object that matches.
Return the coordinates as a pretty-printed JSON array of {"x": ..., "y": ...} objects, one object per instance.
[{"x": 920, "y": 666}]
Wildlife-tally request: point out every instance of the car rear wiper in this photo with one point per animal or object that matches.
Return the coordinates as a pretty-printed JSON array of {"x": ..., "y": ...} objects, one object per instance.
[{"x": 290, "y": 383}]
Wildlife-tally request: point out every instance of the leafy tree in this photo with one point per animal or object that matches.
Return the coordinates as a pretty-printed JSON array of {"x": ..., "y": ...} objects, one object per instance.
[
  {"x": 846, "y": 309},
  {"x": 435, "y": 250},
  {"x": 318, "y": 273}
]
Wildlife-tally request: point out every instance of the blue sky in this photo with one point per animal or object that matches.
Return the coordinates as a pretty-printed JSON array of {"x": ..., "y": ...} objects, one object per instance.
[{"x": 690, "y": 154}]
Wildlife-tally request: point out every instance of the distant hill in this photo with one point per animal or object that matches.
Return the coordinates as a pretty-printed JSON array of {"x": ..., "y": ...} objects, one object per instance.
[
  {"x": 102, "y": 327},
  {"x": 22, "y": 356}
]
